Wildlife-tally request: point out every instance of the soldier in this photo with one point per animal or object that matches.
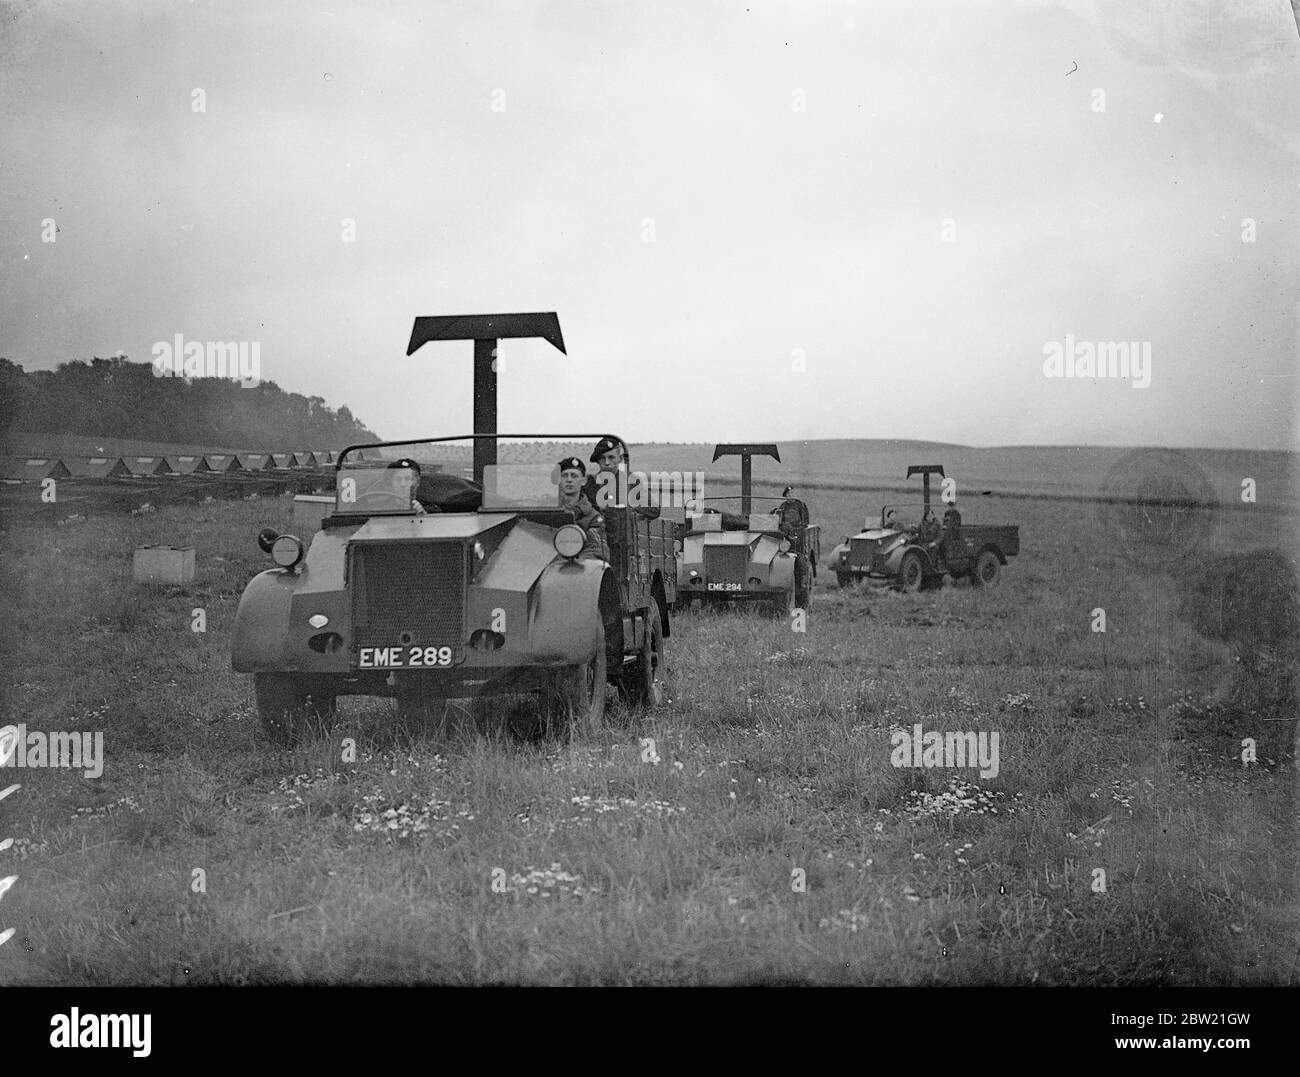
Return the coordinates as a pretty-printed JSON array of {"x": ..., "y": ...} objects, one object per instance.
[
  {"x": 952, "y": 523},
  {"x": 793, "y": 513},
  {"x": 929, "y": 529},
  {"x": 412, "y": 466},
  {"x": 585, "y": 516},
  {"x": 610, "y": 454}
]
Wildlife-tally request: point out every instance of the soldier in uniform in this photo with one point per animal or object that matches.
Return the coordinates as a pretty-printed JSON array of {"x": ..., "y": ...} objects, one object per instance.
[
  {"x": 410, "y": 465},
  {"x": 928, "y": 530},
  {"x": 572, "y": 474},
  {"x": 609, "y": 455},
  {"x": 792, "y": 512},
  {"x": 952, "y": 533}
]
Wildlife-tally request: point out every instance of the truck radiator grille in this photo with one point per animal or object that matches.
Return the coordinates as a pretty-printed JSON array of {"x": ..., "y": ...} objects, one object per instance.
[
  {"x": 408, "y": 592},
  {"x": 862, "y": 550},
  {"x": 726, "y": 562}
]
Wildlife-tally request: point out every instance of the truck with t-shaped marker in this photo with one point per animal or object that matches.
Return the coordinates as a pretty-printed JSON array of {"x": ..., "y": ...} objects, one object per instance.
[{"x": 918, "y": 553}]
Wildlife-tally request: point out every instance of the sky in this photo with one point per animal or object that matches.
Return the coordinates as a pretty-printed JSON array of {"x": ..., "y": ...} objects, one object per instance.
[{"x": 769, "y": 222}]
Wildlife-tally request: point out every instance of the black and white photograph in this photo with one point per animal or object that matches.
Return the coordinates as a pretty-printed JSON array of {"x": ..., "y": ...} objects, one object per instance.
[{"x": 738, "y": 493}]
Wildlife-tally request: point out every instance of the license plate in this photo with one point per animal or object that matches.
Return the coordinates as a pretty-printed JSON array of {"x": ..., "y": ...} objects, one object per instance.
[
  {"x": 405, "y": 657},
  {"x": 724, "y": 587}
]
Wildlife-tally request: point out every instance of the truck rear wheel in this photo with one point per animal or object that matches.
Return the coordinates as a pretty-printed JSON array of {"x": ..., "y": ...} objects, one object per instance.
[
  {"x": 987, "y": 569},
  {"x": 646, "y": 684},
  {"x": 911, "y": 572},
  {"x": 292, "y": 705}
]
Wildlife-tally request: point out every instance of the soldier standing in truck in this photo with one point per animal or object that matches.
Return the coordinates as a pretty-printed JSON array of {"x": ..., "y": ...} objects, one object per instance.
[{"x": 611, "y": 455}]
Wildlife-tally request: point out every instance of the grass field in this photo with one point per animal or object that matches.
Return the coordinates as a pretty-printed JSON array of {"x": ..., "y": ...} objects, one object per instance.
[{"x": 774, "y": 769}]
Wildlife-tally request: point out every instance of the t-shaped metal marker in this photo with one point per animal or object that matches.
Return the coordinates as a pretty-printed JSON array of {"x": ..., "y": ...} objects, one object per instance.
[
  {"x": 746, "y": 454},
  {"x": 485, "y": 330},
  {"x": 925, "y": 470}
]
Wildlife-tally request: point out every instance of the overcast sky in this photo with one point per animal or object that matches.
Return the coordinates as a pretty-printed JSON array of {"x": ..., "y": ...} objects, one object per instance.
[{"x": 646, "y": 171}]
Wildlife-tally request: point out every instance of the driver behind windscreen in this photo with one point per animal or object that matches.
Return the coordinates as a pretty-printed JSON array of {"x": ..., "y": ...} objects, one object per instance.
[
  {"x": 572, "y": 475},
  {"x": 414, "y": 472}
]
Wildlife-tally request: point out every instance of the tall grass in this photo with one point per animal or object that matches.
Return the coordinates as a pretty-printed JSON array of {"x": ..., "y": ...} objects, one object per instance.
[{"x": 580, "y": 862}]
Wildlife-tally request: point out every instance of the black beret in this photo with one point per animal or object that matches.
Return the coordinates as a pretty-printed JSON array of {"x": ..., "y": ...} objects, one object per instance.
[
  {"x": 572, "y": 463},
  {"x": 605, "y": 445}
]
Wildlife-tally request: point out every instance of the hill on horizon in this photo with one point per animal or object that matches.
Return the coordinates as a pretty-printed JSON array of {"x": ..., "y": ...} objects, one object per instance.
[{"x": 118, "y": 399}]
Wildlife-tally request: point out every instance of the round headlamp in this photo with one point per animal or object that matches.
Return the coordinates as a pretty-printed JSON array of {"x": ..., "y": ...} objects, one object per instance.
[
  {"x": 569, "y": 541},
  {"x": 286, "y": 551}
]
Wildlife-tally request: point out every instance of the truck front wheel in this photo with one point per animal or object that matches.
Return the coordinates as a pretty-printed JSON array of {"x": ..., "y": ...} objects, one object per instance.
[
  {"x": 292, "y": 705},
  {"x": 911, "y": 572},
  {"x": 575, "y": 696}
]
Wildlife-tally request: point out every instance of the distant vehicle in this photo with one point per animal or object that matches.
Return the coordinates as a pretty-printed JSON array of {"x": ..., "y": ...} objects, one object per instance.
[
  {"x": 919, "y": 554},
  {"x": 483, "y": 592},
  {"x": 766, "y": 553}
]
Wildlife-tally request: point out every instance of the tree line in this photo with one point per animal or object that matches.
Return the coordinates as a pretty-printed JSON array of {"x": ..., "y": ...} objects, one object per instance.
[{"x": 118, "y": 398}]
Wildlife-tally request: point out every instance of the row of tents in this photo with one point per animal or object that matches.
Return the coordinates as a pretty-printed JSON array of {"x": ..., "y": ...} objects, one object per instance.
[{"x": 36, "y": 468}]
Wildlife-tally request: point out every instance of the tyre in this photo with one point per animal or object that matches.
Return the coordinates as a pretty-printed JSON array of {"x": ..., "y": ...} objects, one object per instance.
[
  {"x": 646, "y": 683},
  {"x": 418, "y": 712},
  {"x": 987, "y": 569},
  {"x": 291, "y": 705},
  {"x": 802, "y": 583},
  {"x": 911, "y": 572},
  {"x": 784, "y": 605},
  {"x": 575, "y": 695}
]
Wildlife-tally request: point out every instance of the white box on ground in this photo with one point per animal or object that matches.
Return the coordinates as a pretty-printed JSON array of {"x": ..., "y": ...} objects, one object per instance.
[
  {"x": 308, "y": 511},
  {"x": 164, "y": 564}
]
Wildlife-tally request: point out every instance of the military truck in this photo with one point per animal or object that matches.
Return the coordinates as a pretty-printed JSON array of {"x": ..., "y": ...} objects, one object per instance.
[
  {"x": 766, "y": 553},
  {"x": 917, "y": 553},
  {"x": 440, "y": 573}
]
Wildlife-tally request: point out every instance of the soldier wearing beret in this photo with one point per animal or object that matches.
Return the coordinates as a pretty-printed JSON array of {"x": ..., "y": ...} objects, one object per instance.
[
  {"x": 572, "y": 474},
  {"x": 610, "y": 454},
  {"x": 411, "y": 466}
]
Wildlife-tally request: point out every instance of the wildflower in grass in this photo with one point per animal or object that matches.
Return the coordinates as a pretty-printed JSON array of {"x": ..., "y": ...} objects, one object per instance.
[
  {"x": 126, "y": 803},
  {"x": 545, "y": 881},
  {"x": 962, "y": 697},
  {"x": 846, "y": 920},
  {"x": 26, "y": 847},
  {"x": 799, "y": 654},
  {"x": 619, "y": 808},
  {"x": 407, "y": 819},
  {"x": 959, "y": 797}
]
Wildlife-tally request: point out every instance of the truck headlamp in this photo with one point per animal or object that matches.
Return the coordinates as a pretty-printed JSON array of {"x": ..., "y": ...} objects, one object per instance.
[
  {"x": 286, "y": 551},
  {"x": 569, "y": 541}
]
